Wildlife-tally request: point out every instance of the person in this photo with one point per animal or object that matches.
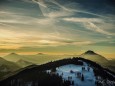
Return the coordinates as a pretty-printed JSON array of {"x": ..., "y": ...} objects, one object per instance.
[
  {"x": 88, "y": 68},
  {"x": 83, "y": 68},
  {"x": 71, "y": 71},
  {"x": 72, "y": 83},
  {"x": 62, "y": 74},
  {"x": 82, "y": 77}
]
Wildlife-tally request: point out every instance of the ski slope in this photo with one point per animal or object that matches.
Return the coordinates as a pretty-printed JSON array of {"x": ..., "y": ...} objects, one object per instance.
[{"x": 89, "y": 78}]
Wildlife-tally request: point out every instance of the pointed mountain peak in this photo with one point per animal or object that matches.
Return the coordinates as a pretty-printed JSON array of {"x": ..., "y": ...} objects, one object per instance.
[
  {"x": 13, "y": 57},
  {"x": 40, "y": 54},
  {"x": 13, "y": 54},
  {"x": 90, "y": 52}
]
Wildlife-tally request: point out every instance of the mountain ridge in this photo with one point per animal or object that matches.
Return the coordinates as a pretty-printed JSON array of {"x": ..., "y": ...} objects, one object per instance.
[
  {"x": 91, "y": 55},
  {"x": 23, "y": 63},
  {"x": 12, "y": 57},
  {"x": 7, "y": 67}
]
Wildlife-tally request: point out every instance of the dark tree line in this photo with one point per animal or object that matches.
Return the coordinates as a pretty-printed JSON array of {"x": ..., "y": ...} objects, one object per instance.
[{"x": 35, "y": 79}]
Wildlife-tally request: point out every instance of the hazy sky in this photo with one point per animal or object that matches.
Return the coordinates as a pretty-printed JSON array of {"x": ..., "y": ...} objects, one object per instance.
[{"x": 57, "y": 26}]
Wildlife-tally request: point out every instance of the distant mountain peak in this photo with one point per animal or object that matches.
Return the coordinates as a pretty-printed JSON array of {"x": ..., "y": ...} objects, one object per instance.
[
  {"x": 91, "y": 55},
  {"x": 90, "y": 52},
  {"x": 13, "y": 57},
  {"x": 13, "y": 54},
  {"x": 41, "y": 54}
]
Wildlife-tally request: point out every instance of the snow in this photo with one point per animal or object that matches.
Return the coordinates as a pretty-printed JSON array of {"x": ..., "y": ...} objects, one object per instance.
[
  {"x": 89, "y": 78},
  {"x": 73, "y": 73}
]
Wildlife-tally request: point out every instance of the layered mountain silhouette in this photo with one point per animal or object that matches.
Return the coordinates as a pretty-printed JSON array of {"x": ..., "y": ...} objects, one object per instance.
[
  {"x": 23, "y": 63},
  {"x": 7, "y": 67},
  {"x": 40, "y": 58},
  {"x": 91, "y": 55},
  {"x": 18, "y": 59},
  {"x": 13, "y": 57},
  {"x": 10, "y": 65}
]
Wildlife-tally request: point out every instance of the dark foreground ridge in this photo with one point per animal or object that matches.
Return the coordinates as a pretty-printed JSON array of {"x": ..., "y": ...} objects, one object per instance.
[{"x": 37, "y": 75}]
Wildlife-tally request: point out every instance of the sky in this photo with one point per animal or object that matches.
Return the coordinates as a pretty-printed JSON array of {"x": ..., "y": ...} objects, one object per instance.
[{"x": 57, "y": 26}]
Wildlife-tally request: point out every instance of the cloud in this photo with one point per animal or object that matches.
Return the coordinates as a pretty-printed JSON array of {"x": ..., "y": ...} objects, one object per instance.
[
  {"x": 10, "y": 34},
  {"x": 78, "y": 10},
  {"x": 40, "y": 43},
  {"x": 11, "y": 38},
  {"x": 40, "y": 2},
  {"x": 58, "y": 14},
  {"x": 60, "y": 26},
  {"x": 89, "y": 23},
  {"x": 83, "y": 20},
  {"x": 93, "y": 27},
  {"x": 104, "y": 43},
  {"x": 64, "y": 8},
  {"x": 13, "y": 18}
]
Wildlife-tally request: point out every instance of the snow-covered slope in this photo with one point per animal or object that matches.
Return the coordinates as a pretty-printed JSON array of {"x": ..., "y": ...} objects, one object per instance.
[
  {"x": 89, "y": 78},
  {"x": 81, "y": 75},
  {"x": 70, "y": 72}
]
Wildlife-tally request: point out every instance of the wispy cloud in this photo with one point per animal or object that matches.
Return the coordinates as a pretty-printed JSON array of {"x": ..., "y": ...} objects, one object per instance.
[
  {"x": 40, "y": 2},
  {"x": 77, "y": 10},
  {"x": 83, "y": 20},
  {"x": 92, "y": 26},
  {"x": 88, "y": 23},
  {"x": 58, "y": 14}
]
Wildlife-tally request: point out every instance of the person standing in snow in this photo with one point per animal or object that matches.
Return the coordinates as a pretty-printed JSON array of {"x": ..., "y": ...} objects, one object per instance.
[
  {"x": 82, "y": 77},
  {"x": 88, "y": 68}
]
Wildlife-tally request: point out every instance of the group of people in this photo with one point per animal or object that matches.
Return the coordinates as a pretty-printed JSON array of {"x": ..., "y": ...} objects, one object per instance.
[{"x": 84, "y": 68}]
